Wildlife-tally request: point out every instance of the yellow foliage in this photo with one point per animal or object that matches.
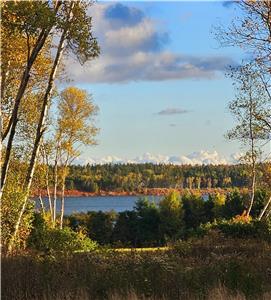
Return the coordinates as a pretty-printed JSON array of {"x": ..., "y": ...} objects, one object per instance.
[{"x": 244, "y": 218}]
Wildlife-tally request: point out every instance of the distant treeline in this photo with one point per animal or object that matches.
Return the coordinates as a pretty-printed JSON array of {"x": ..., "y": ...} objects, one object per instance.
[{"x": 136, "y": 177}]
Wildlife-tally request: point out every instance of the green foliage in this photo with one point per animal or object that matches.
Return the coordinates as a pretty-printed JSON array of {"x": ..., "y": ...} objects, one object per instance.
[
  {"x": 218, "y": 202},
  {"x": 253, "y": 229},
  {"x": 148, "y": 222},
  {"x": 100, "y": 226},
  {"x": 11, "y": 204},
  {"x": 80, "y": 39},
  {"x": 126, "y": 229},
  {"x": 27, "y": 17},
  {"x": 194, "y": 210},
  {"x": 97, "y": 225},
  {"x": 235, "y": 204},
  {"x": 55, "y": 240},
  {"x": 237, "y": 228},
  {"x": 260, "y": 199},
  {"x": 175, "y": 217},
  {"x": 171, "y": 214}
]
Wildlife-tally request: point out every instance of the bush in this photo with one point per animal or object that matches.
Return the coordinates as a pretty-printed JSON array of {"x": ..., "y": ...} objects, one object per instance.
[
  {"x": 56, "y": 240},
  {"x": 238, "y": 228},
  {"x": 11, "y": 205}
]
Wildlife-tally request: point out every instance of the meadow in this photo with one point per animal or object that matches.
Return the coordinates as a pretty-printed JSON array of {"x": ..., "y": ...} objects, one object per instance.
[{"x": 214, "y": 267}]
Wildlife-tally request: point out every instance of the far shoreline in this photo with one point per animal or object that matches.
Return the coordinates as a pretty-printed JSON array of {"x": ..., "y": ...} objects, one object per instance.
[{"x": 139, "y": 193}]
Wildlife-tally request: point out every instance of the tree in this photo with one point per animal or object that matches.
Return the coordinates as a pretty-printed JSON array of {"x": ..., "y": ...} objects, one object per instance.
[
  {"x": 34, "y": 20},
  {"x": 100, "y": 226},
  {"x": 74, "y": 128},
  {"x": 171, "y": 214},
  {"x": 126, "y": 228},
  {"x": 266, "y": 183},
  {"x": 251, "y": 31},
  {"x": 250, "y": 101},
  {"x": 148, "y": 223},
  {"x": 41, "y": 20},
  {"x": 234, "y": 204}
]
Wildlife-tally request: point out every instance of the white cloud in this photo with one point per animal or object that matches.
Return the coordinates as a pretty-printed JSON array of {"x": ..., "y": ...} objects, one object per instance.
[
  {"x": 196, "y": 158},
  {"x": 133, "y": 49}
]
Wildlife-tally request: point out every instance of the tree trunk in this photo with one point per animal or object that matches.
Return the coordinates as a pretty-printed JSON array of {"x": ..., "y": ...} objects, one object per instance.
[
  {"x": 63, "y": 191},
  {"x": 49, "y": 197},
  {"x": 46, "y": 163},
  {"x": 62, "y": 203},
  {"x": 41, "y": 204},
  {"x": 55, "y": 188},
  {"x": 265, "y": 208},
  {"x": 0, "y": 147},
  {"x": 253, "y": 155},
  {"x": 252, "y": 192}
]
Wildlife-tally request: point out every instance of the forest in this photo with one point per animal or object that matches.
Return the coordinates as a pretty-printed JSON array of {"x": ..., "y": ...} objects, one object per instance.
[
  {"x": 186, "y": 246},
  {"x": 137, "y": 177}
]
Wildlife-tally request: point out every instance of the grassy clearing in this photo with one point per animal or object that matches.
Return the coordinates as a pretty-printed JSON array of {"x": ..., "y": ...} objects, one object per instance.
[
  {"x": 153, "y": 249},
  {"x": 210, "y": 268}
]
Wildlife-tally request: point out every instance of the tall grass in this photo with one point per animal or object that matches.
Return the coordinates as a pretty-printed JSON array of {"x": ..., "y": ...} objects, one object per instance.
[{"x": 210, "y": 268}]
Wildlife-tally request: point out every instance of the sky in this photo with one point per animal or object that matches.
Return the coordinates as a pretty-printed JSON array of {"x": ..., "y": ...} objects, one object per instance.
[{"x": 159, "y": 83}]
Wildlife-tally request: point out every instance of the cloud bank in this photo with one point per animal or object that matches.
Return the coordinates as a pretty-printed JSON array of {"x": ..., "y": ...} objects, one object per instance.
[
  {"x": 196, "y": 158},
  {"x": 134, "y": 47}
]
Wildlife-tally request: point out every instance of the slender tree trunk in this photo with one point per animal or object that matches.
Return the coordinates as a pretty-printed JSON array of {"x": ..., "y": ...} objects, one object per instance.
[
  {"x": 46, "y": 163},
  {"x": 40, "y": 129},
  {"x": 41, "y": 204},
  {"x": 62, "y": 203},
  {"x": 0, "y": 147},
  {"x": 65, "y": 171},
  {"x": 55, "y": 187},
  {"x": 265, "y": 208},
  {"x": 253, "y": 156},
  {"x": 252, "y": 191},
  {"x": 49, "y": 194}
]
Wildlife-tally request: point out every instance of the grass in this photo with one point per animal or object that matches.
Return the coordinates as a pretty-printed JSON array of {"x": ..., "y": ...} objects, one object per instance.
[
  {"x": 153, "y": 249},
  {"x": 211, "y": 268}
]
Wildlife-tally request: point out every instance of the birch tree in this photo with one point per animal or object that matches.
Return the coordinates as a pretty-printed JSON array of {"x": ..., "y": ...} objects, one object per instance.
[
  {"x": 34, "y": 21},
  {"x": 73, "y": 27},
  {"x": 251, "y": 31},
  {"x": 75, "y": 128},
  {"x": 250, "y": 101}
]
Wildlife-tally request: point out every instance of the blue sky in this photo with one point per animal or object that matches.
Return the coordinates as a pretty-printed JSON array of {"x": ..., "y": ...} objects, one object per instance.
[{"x": 159, "y": 82}]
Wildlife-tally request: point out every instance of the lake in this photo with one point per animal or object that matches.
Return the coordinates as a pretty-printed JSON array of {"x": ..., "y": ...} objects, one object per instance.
[{"x": 97, "y": 203}]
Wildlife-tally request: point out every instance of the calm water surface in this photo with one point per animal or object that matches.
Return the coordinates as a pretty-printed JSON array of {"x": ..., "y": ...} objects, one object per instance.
[{"x": 97, "y": 203}]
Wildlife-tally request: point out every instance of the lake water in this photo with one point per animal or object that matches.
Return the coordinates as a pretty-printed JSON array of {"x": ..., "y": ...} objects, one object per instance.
[{"x": 103, "y": 203}]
